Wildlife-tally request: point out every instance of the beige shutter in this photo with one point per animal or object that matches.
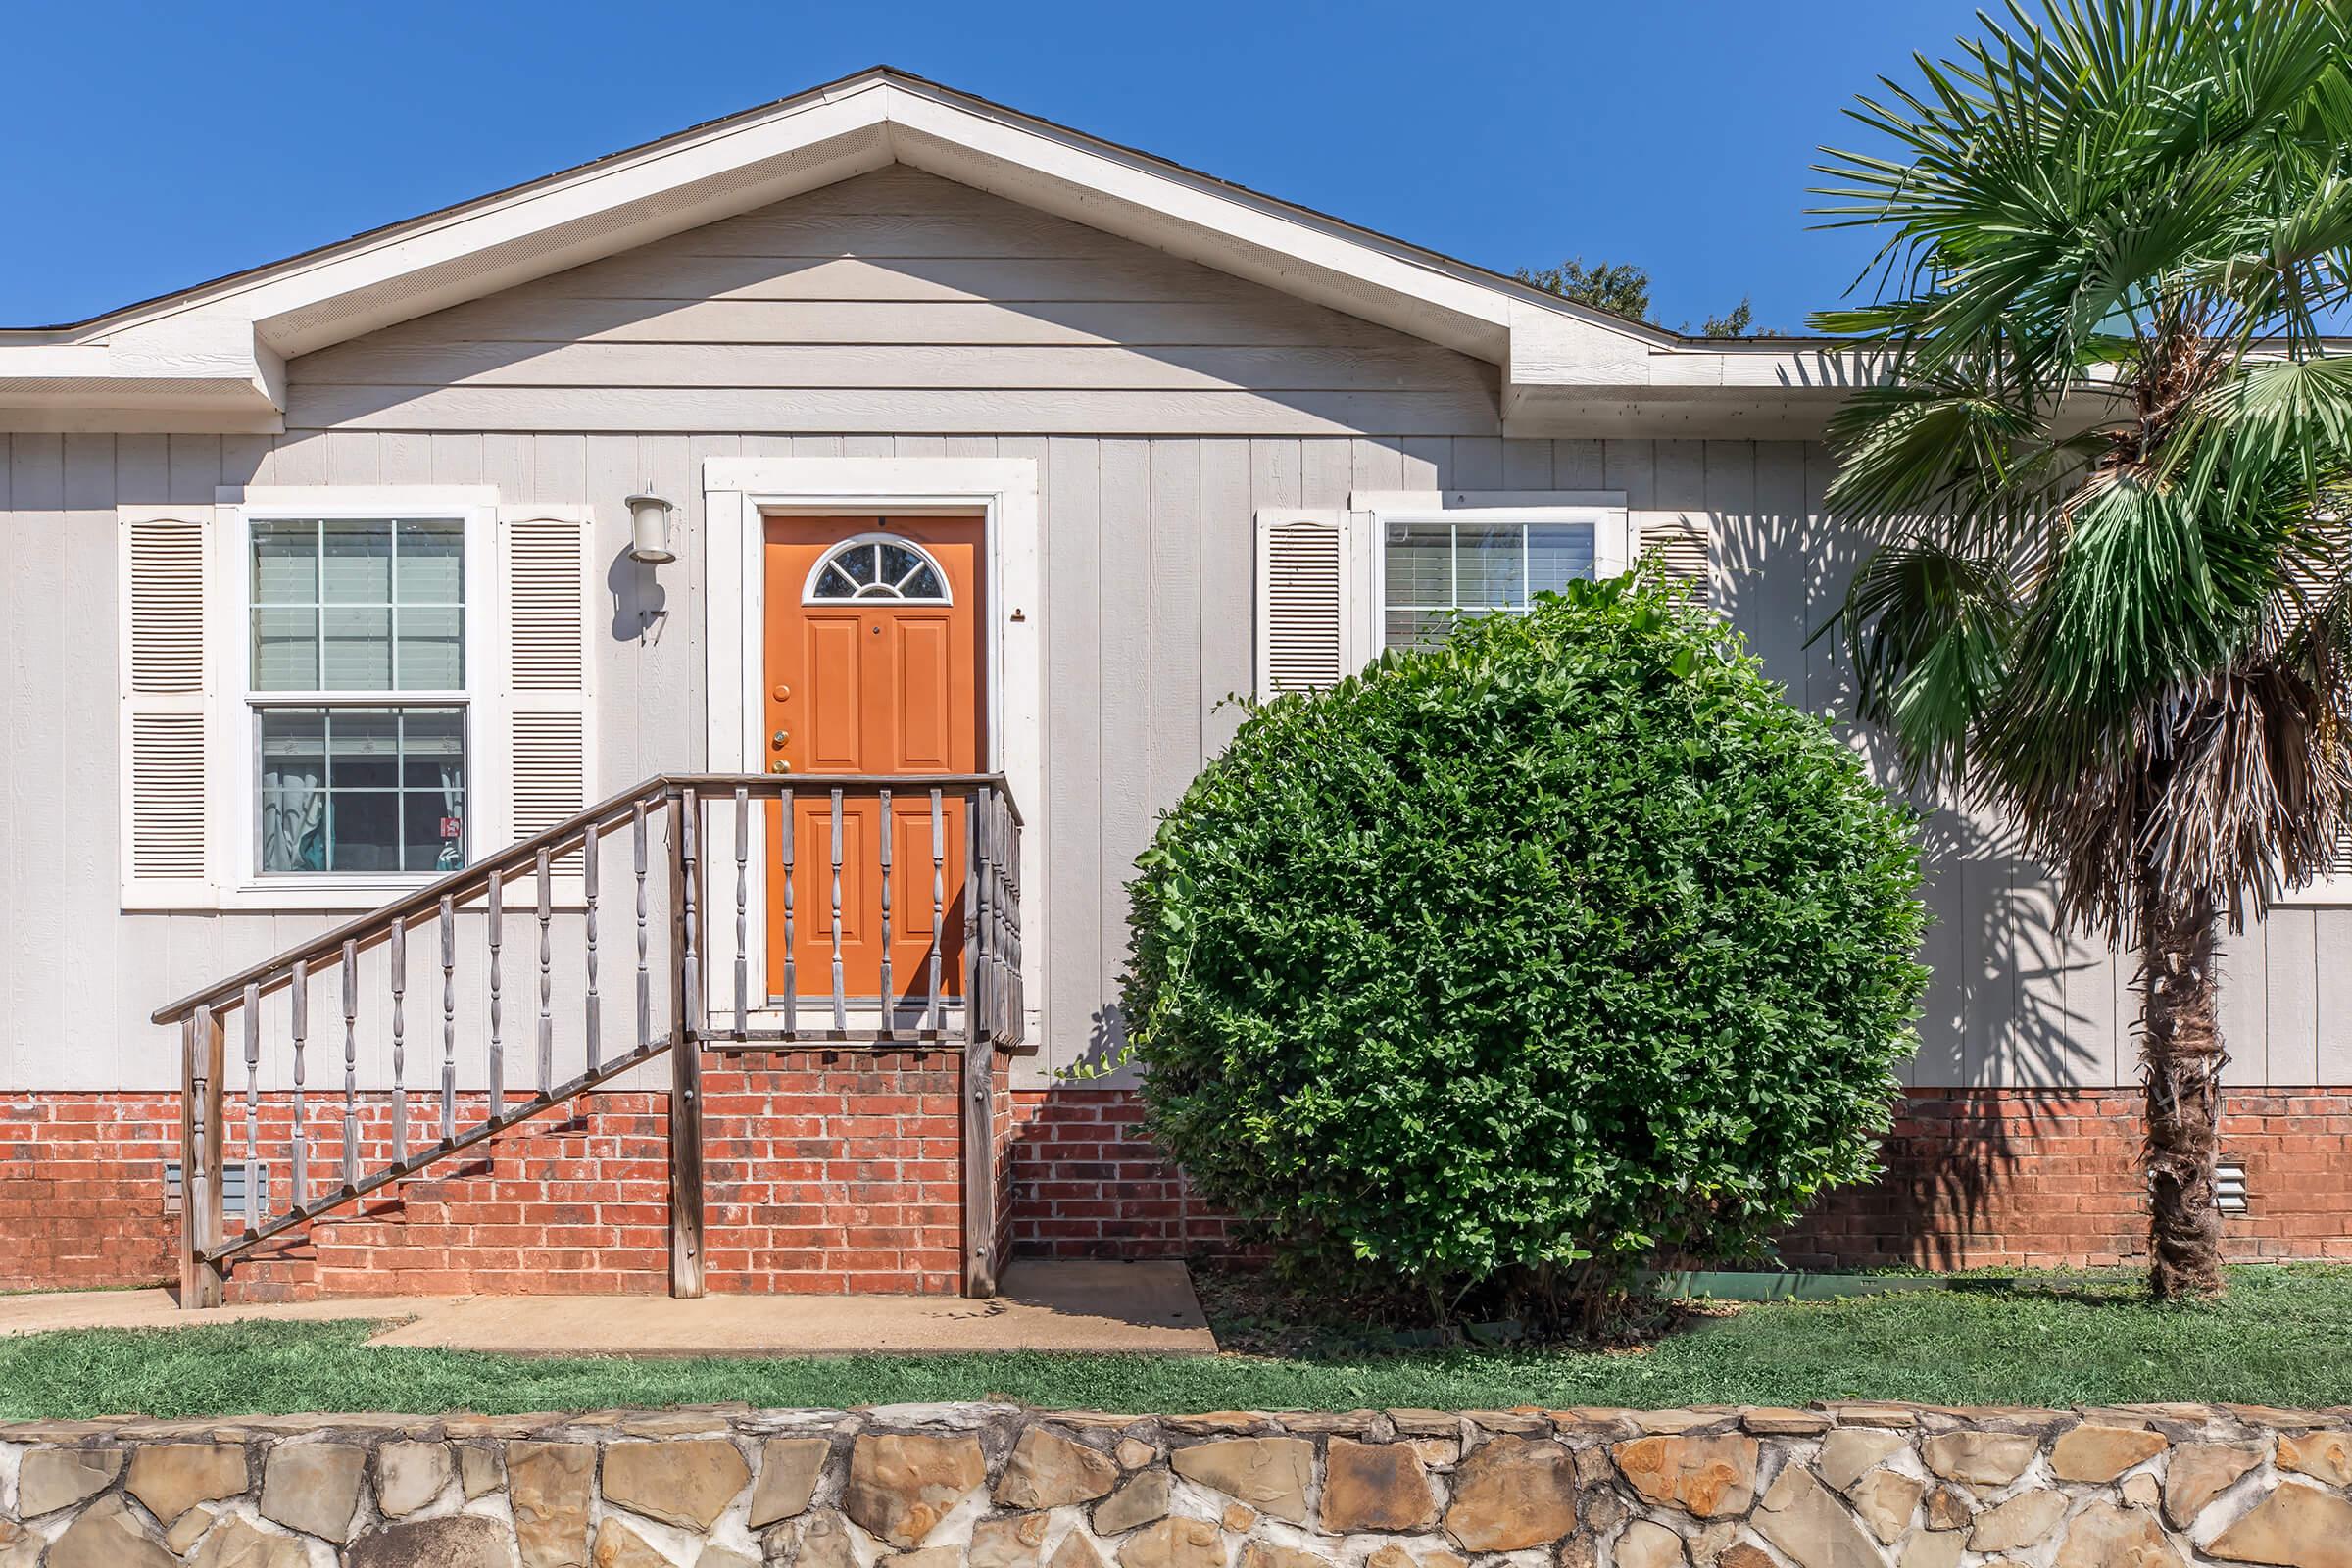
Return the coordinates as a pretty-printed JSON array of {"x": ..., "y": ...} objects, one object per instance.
[
  {"x": 166, "y": 689},
  {"x": 549, "y": 659},
  {"x": 1684, "y": 550},
  {"x": 1309, "y": 600}
]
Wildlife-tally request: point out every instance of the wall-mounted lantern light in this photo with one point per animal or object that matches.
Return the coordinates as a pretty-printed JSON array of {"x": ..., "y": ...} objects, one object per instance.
[{"x": 648, "y": 530}]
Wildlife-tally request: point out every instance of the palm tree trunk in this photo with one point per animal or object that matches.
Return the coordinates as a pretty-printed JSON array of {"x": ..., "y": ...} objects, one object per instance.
[{"x": 2181, "y": 1058}]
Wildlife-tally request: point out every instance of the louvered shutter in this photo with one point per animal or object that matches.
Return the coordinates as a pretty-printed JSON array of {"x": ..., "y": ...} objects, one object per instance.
[
  {"x": 166, "y": 689},
  {"x": 1684, "y": 549},
  {"x": 549, "y": 740},
  {"x": 1309, "y": 600}
]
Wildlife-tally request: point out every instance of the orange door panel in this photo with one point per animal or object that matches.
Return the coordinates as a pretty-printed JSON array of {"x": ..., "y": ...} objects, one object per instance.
[{"x": 865, "y": 679}]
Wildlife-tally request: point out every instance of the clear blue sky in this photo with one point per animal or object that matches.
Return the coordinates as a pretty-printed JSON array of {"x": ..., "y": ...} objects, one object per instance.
[{"x": 176, "y": 142}]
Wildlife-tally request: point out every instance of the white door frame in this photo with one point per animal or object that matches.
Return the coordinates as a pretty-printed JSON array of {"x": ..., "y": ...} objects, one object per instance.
[{"x": 737, "y": 492}]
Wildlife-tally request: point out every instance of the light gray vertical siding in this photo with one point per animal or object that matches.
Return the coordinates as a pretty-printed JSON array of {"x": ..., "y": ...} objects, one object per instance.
[{"x": 1163, "y": 404}]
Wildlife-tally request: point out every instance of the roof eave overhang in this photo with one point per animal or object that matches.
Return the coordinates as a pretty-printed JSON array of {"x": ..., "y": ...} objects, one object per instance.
[{"x": 213, "y": 358}]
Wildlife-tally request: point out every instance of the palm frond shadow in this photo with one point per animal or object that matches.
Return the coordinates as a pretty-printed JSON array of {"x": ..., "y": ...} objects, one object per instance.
[{"x": 2018, "y": 1008}]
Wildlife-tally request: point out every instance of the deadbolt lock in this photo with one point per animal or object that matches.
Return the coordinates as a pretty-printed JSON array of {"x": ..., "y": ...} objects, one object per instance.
[{"x": 779, "y": 738}]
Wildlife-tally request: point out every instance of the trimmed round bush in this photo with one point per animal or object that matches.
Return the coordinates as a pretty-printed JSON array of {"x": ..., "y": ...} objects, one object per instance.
[{"x": 1569, "y": 939}]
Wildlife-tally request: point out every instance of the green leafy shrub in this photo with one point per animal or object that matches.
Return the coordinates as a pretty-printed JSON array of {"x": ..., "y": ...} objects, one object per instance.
[{"x": 1569, "y": 939}]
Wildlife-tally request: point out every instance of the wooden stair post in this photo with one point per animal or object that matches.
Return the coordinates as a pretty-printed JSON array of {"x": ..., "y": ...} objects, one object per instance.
[
  {"x": 202, "y": 1059},
  {"x": 685, "y": 1052}
]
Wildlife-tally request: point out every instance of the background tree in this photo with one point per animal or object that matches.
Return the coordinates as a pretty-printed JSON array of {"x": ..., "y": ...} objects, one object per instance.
[
  {"x": 1622, "y": 288},
  {"x": 2107, "y": 458},
  {"x": 1737, "y": 322}
]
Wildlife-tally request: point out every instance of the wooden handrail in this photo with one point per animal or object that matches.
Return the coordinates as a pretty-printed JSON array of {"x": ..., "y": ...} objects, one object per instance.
[
  {"x": 991, "y": 1007},
  {"x": 273, "y": 974}
]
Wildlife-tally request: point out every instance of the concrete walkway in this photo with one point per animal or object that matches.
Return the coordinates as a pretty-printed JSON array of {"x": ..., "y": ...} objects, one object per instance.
[{"x": 1138, "y": 1307}]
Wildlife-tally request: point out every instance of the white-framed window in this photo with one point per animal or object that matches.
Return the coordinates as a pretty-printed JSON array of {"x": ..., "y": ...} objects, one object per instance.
[
  {"x": 357, "y": 692},
  {"x": 1432, "y": 563},
  {"x": 331, "y": 693},
  {"x": 1336, "y": 586}
]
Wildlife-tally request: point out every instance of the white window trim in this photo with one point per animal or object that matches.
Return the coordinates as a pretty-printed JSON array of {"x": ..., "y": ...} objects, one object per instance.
[
  {"x": 1605, "y": 509},
  {"x": 229, "y": 733},
  {"x": 737, "y": 492}
]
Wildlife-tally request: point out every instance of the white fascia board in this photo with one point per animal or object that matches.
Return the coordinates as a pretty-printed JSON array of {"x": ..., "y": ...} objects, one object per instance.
[
  {"x": 600, "y": 212},
  {"x": 1200, "y": 221},
  {"x": 241, "y": 333},
  {"x": 216, "y": 379}
]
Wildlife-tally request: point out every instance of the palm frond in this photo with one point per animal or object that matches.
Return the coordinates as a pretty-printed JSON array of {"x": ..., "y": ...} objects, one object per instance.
[
  {"x": 2112, "y": 446},
  {"x": 1928, "y": 627}
]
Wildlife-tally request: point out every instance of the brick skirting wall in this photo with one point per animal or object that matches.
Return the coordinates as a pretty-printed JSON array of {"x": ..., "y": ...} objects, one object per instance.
[
  {"x": 839, "y": 1171},
  {"x": 1085, "y": 1186},
  {"x": 2027, "y": 1179},
  {"x": 824, "y": 1172}
]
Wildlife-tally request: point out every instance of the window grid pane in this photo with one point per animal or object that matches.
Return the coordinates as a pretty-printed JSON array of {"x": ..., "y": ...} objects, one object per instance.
[
  {"x": 361, "y": 790},
  {"x": 1434, "y": 568},
  {"x": 358, "y": 605}
]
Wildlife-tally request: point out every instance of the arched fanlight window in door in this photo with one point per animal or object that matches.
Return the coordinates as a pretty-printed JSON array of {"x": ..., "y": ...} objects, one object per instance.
[{"x": 877, "y": 565}]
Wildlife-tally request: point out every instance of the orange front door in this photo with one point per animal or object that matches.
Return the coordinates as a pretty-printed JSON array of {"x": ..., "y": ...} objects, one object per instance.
[{"x": 873, "y": 667}]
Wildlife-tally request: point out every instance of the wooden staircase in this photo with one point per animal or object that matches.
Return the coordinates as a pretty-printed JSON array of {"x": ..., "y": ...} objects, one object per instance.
[{"x": 653, "y": 846}]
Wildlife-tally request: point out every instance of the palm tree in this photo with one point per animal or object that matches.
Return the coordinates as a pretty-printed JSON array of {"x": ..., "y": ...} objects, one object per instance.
[{"x": 2103, "y": 466}]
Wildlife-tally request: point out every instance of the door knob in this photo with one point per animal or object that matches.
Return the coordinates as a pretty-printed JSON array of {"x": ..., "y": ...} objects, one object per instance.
[{"x": 779, "y": 765}]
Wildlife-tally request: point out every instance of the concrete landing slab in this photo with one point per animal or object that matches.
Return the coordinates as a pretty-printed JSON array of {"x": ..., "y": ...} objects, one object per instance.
[{"x": 1087, "y": 1306}]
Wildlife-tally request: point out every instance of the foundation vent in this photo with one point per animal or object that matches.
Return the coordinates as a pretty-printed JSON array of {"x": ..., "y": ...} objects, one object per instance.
[
  {"x": 2230, "y": 1187},
  {"x": 233, "y": 1187}
]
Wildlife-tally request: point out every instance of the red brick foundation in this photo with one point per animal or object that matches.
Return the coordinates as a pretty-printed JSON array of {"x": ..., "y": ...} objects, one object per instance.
[
  {"x": 2028, "y": 1179},
  {"x": 824, "y": 1172},
  {"x": 1084, "y": 1185},
  {"x": 840, "y": 1171}
]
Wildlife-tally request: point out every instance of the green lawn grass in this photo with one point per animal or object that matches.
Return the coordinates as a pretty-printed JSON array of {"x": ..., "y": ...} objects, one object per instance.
[{"x": 2278, "y": 1339}]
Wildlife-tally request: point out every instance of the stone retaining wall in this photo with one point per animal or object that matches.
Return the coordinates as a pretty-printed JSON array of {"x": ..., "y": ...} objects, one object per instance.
[{"x": 1853, "y": 1486}]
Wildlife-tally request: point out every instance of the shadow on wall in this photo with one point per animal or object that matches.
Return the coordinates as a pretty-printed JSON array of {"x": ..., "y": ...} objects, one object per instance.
[
  {"x": 2019, "y": 1015},
  {"x": 2019, "y": 1018}
]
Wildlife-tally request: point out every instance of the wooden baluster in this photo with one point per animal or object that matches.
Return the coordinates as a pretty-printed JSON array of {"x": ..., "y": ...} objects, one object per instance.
[
  {"x": 1017, "y": 992},
  {"x": 685, "y": 1066},
  {"x": 645, "y": 977},
  {"x": 547, "y": 976},
  {"x": 351, "y": 1064},
  {"x": 981, "y": 1001},
  {"x": 743, "y": 911},
  {"x": 939, "y": 904},
  {"x": 299, "y": 1178},
  {"x": 591, "y": 1005},
  {"x": 698, "y": 1020},
  {"x": 497, "y": 916},
  {"x": 972, "y": 848},
  {"x": 841, "y": 1011},
  {"x": 449, "y": 1017},
  {"x": 253, "y": 1205},
  {"x": 1007, "y": 912},
  {"x": 979, "y": 1161},
  {"x": 889, "y": 991},
  {"x": 399, "y": 1046},
  {"x": 791, "y": 991}
]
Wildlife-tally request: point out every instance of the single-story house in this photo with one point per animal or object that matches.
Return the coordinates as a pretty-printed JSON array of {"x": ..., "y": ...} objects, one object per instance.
[{"x": 593, "y": 739}]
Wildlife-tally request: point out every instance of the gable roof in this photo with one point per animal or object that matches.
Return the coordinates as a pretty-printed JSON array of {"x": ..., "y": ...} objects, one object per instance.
[{"x": 213, "y": 357}]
